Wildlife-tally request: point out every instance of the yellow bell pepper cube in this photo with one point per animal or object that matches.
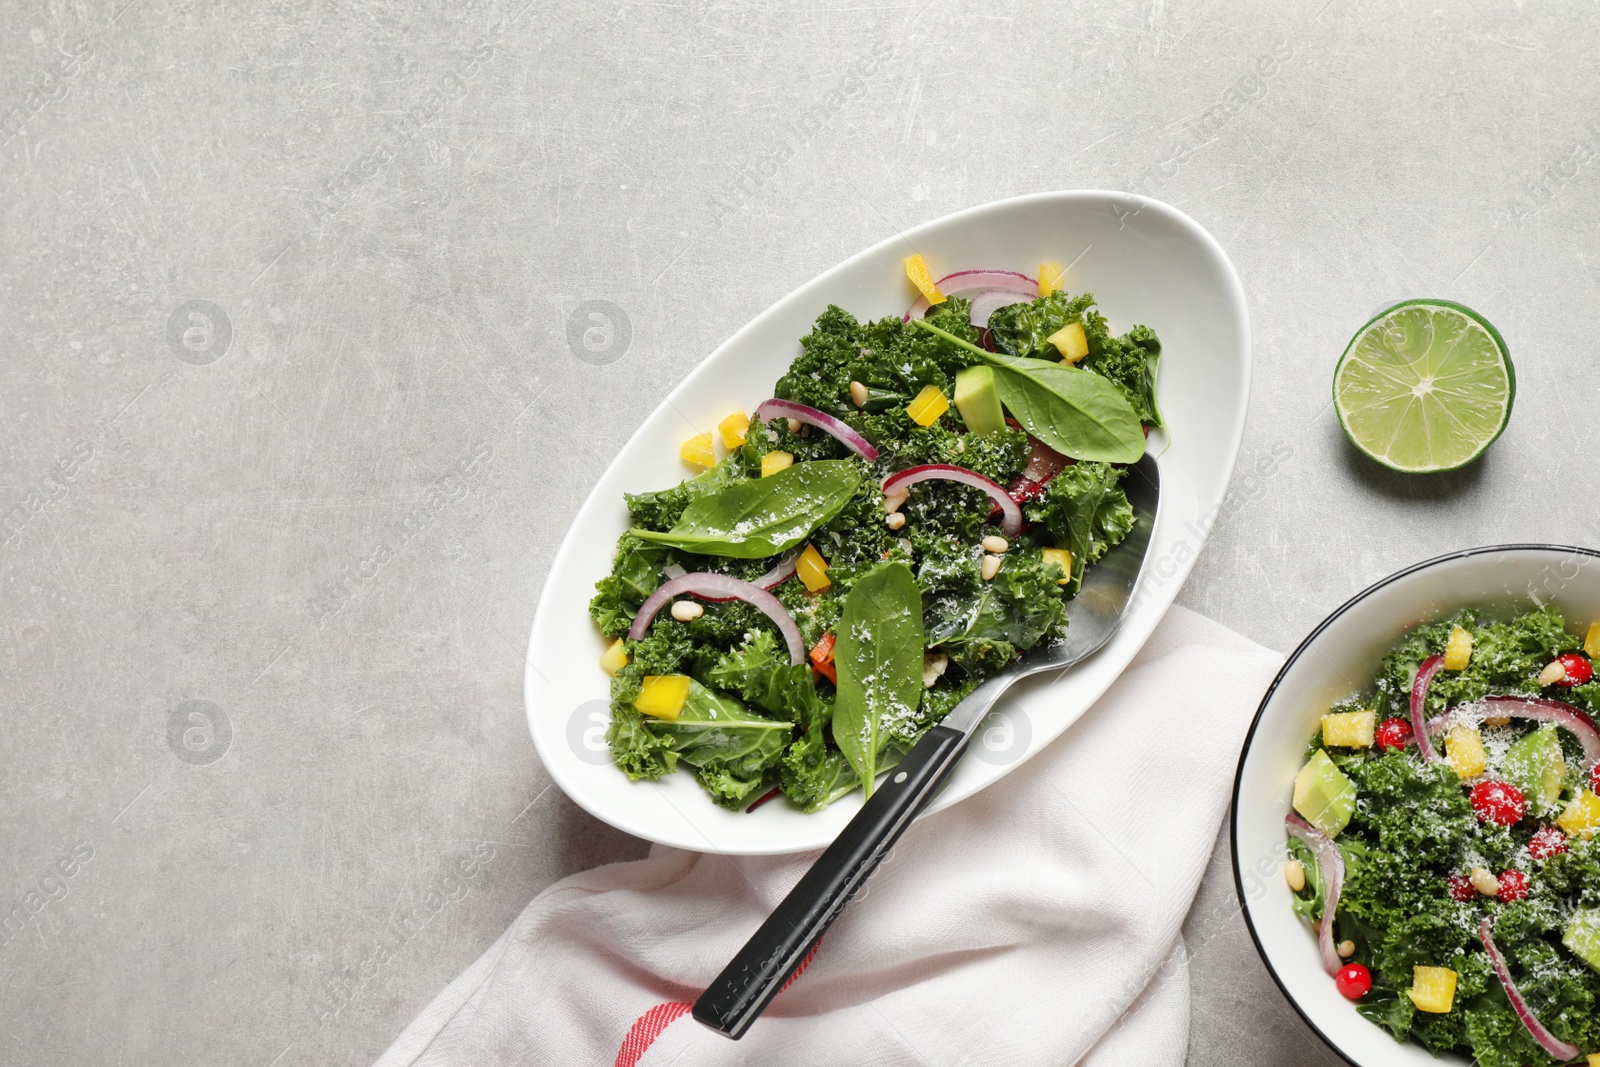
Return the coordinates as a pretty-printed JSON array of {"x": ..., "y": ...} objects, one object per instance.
[
  {"x": 1591, "y": 641},
  {"x": 1061, "y": 557},
  {"x": 1349, "y": 729},
  {"x": 921, "y": 277},
  {"x": 773, "y": 462},
  {"x": 1594, "y": 1061},
  {"x": 699, "y": 450},
  {"x": 1049, "y": 278},
  {"x": 1458, "y": 650},
  {"x": 663, "y": 696},
  {"x": 1582, "y": 817},
  {"x": 1464, "y": 751},
  {"x": 1070, "y": 342},
  {"x": 614, "y": 658},
  {"x": 926, "y": 407},
  {"x": 1433, "y": 989},
  {"x": 813, "y": 569},
  {"x": 733, "y": 428}
]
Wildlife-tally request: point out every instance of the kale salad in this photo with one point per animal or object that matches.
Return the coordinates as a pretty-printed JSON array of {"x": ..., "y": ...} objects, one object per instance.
[
  {"x": 1443, "y": 841},
  {"x": 908, "y": 512}
]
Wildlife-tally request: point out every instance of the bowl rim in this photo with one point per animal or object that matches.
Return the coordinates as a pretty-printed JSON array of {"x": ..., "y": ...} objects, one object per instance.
[{"x": 1261, "y": 710}]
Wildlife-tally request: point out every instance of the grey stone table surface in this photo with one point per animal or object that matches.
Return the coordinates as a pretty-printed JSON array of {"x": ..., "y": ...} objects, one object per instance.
[{"x": 292, "y": 421}]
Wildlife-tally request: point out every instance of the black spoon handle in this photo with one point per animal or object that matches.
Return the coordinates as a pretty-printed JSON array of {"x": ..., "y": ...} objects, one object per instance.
[{"x": 745, "y": 987}]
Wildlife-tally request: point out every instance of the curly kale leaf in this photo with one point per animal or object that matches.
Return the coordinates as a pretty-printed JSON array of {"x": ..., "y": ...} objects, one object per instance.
[
  {"x": 1024, "y": 329},
  {"x": 759, "y": 671},
  {"x": 1086, "y": 511},
  {"x": 635, "y": 748},
  {"x": 1130, "y": 361},
  {"x": 1506, "y": 659},
  {"x": 983, "y": 625},
  {"x": 813, "y": 774},
  {"x": 634, "y": 576},
  {"x": 894, "y": 362}
]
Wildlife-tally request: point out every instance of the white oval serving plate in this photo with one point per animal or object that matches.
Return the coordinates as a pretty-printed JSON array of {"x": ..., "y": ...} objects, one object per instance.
[
  {"x": 1146, "y": 262},
  {"x": 1337, "y": 660}
]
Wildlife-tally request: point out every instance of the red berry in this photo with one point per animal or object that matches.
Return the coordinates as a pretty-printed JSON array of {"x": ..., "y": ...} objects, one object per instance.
[
  {"x": 1578, "y": 668},
  {"x": 1393, "y": 734},
  {"x": 1594, "y": 778},
  {"x": 1513, "y": 887},
  {"x": 1498, "y": 802},
  {"x": 1354, "y": 981},
  {"x": 1462, "y": 890},
  {"x": 1547, "y": 842}
]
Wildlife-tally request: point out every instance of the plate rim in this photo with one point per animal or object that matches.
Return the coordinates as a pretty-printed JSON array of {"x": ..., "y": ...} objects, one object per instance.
[{"x": 1163, "y": 599}]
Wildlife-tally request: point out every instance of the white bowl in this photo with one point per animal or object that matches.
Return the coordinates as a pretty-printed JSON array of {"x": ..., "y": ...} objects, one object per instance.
[
  {"x": 1337, "y": 660},
  {"x": 1145, "y": 262}
]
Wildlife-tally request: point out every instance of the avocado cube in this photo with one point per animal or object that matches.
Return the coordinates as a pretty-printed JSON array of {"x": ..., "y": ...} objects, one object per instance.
[
  {"x": 1324, "y": 795},
  {"x": 978, "y": 401},
  {"x": 1536, "y": 765},
  {"x": 1583, "y": 936}
]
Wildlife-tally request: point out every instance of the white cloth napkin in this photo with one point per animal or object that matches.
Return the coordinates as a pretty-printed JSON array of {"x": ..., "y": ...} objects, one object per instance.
[{"x": 1036, "y": 922}]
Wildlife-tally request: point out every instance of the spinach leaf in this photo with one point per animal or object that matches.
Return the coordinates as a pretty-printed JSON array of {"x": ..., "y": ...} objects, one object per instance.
[
  {"x": 660, "y": 509},
  {"x": 1075, "y": 412},
  {"x": 1085, "y": 510},
  {"x": 878, "y": 657},
  {"x": 730, "y": 747},
  {"x": 761, "y": 517},
  {"x": 1128, "y": 362}
]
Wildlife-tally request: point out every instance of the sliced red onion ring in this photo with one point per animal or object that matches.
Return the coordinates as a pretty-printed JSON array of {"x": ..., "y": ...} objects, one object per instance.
[
  {"x": 1331, "y": 861},
  {"x": 964, "y": 281},
  {"x": 1419, "y": 698},
  {"x": 1563, "y": 1052},
  {"x": 1010, "y": 513},
  {"x": 781, "y": 572},
  {"x": 708, "y": 585},
  {"x": 989, "y": 301},
  {"x": 1536, "y": 709},
  {"x": 788, "y": 409}
]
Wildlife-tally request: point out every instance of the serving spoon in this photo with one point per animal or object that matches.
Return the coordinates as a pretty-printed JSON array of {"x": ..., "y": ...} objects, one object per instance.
[{"x": 747, "y": 985}]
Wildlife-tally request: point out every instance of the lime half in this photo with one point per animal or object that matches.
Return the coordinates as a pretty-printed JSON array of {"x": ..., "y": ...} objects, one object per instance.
[{"x": 1425, "y": 386}]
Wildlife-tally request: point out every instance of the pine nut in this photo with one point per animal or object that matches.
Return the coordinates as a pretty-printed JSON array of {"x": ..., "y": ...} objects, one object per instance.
[
  {"x": 1497, "y": 720},
  {"x": 794, "y": 426},
  {"x": 1347, "y": 949},
  {"x": 996, "y": 544},
  {"x": 897, "y": 499},
  {"x": 1484, "y": 882},
  {"x": 894, "y": 520},
  {"x": 991, "y": 567},
  {"x": 858, "y": 393},
  {"x": 933, "y": 666},
  {"x": 1552, "y": 673},
  {"x": 1294, "y": 872},
  {"x": 686, "y": 610}
]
